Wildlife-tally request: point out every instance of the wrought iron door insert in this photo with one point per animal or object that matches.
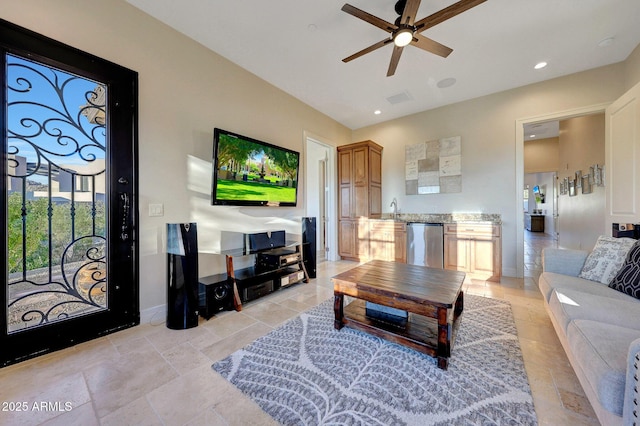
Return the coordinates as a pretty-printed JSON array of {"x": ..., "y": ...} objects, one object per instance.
[{"x": 56, "y": 148}]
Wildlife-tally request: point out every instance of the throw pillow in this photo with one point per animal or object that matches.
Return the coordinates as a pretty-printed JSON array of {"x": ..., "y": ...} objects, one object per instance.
[
  {"x": 606, "y": 259},
  {"x": 627, "y": 280}
]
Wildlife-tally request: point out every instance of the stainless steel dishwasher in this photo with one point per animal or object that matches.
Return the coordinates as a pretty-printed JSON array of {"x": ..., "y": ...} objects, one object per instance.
[{"x": 425, "y": 244}]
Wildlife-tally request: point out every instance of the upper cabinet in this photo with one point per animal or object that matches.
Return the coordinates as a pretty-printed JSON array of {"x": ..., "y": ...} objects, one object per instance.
[{"x": 360, "y": 177}]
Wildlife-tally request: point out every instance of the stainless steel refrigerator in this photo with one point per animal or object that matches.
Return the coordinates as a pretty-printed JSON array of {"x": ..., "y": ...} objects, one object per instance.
[{"x": 425, "y": 244}]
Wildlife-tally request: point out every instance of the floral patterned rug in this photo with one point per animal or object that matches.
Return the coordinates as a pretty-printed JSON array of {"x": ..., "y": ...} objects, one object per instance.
[{"x": 307, "y": 373}]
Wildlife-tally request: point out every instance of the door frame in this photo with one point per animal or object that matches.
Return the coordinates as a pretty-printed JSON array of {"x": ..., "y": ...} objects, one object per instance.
[
  {"x": 123, "y": 307},
  {"x": 519, "y": 142},
  {"x": 332, "y": 230}
]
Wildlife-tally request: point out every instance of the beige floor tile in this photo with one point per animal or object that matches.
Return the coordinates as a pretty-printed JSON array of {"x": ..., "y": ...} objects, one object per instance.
[
  {"x": 115, "y": 383},
  {"x": 270, "y": 313},
  {"x": 208, "y": 418},
  {"x": 184, "y": 358},
  {"x": 232, "y": 343},
  {"x": 192, "y": 392},
  {"x": 136, "y": 413},
  {"x": 83, "y": 415},
  {"x": 43, "y": 400},
  {"x": 150, "y": 375},
  {"x": 163, "y": 338},
  {"x": 228, "y": 323},
  {"x": 554, "y": 414},
  {"x": 236, "y": 409}
]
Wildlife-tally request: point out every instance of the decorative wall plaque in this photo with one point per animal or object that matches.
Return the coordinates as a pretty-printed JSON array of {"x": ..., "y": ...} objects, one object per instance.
[{"x": 434, "y": 167}]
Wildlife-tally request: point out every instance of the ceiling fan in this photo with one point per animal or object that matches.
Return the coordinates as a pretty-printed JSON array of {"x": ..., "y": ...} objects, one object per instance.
[{"x": 406, "y": 30}]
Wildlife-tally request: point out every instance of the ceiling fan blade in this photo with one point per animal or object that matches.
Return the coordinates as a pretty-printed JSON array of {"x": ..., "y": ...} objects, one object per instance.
[
  {"x": 409, "y": 13},
  {"x": 430, "y": 45},
  {"x": 446, "y": 13},
  {"x": 371, "y": 48},
  {"x": 367, "y": 17},
  {"x": 395, "y": 58}
]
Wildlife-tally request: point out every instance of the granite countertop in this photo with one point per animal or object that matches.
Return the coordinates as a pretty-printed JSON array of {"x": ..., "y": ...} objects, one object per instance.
[{"x": 445, "y": 217}]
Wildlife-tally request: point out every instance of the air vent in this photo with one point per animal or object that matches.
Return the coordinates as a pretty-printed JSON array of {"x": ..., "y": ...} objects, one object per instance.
[{"x": 399, "y": 98}]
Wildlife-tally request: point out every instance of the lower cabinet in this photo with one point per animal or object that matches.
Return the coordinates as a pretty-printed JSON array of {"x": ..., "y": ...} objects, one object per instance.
[
  {"x": 347, "y": 239},
  {"x": 367, "y": 239},
  {"x": 388, "y": 240},
  {"x": 353, "y": 239},
  {"x": 475, "y": 249}
]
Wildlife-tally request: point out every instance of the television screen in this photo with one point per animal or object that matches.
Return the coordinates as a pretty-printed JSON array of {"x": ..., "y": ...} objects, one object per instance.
[{"x": 249, "y": 172}]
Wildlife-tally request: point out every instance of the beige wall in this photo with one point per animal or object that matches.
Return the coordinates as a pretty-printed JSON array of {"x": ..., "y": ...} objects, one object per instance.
[
  {"x": 580, "y": 217},
  {"x": 487, "y": 128},
  {"x": 541, "y": 155},
  {"x": 632, "y": 69},
  {"x": 185, "y": 91}
]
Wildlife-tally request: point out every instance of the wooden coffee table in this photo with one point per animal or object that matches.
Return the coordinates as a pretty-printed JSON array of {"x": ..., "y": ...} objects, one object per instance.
[{"x": 433, "y": 298}]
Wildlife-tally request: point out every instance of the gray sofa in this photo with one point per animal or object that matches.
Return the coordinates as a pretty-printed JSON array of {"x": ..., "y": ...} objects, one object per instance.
[{"x": 599, "y": 328}]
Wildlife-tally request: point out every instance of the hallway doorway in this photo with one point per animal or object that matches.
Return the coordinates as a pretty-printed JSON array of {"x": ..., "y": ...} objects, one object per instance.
[
  {"x": 320, "y": 194},
  {"x": 520, "y": 172}
]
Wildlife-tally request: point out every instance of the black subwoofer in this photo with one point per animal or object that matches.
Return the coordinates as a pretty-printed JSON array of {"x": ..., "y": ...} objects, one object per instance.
[
  {"x": 309, "y": 245},
  {"x": 216, "y": 294}
]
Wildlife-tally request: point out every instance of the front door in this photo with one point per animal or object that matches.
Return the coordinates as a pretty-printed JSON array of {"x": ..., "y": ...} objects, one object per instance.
[{"x": 69, "y": 206}]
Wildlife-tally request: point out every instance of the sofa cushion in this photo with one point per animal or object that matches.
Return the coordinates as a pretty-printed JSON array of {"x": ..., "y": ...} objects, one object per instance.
[
  {"x": 563, "y": 261},
  {"x": 606, "y": 259},
  {"x": 601, "y": 352},
  {"x": 550, "y": 281},
  {"x": 627, "y": 280},
  {"x": 619, "y": 309}
]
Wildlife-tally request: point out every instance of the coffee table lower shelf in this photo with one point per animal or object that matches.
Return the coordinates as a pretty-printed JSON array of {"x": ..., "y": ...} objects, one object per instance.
[{"x": 420, "y": 333}]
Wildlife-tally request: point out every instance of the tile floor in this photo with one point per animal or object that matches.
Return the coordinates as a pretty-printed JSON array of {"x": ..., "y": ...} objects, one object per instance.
[{"x": 150, "y": 375}]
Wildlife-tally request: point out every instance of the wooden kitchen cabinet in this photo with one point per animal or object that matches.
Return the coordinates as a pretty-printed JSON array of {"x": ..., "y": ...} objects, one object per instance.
[
  {"x": 474, "y": 248},
  {"x": 353, "y": 239},
  {"x": 359, "y": 196},
  {"x": 388, "y": 240},
  {"x": 347, "y": 239}
]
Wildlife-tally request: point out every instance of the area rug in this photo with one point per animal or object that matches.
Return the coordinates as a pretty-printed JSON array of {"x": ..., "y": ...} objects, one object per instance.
[{"x": 307, "y": 373}]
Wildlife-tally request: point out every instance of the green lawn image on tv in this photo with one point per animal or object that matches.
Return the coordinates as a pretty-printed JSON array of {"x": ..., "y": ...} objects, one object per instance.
[
  {"x": 264, "y": 173},
  {"x": 254, "y": 191}
]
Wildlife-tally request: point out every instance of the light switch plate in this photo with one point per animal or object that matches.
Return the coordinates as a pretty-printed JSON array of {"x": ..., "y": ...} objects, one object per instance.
[{"x": 156, "y": 210}]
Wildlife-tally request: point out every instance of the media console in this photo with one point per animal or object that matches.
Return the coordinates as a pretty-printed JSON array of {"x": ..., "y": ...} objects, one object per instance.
[{"x": 277, "y": 263}]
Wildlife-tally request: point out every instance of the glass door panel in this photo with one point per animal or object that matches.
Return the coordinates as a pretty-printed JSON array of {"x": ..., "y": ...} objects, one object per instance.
[{"x": 56, "y": 204}]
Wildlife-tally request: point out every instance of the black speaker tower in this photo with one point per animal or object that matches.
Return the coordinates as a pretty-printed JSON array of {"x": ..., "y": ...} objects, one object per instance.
[
  {"x": 182, "y": 276},
  {"x": 309, "y": 246}
]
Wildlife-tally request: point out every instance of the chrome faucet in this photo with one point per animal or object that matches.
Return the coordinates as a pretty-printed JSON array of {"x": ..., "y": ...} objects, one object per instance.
[{"x": 394, "y": 204}]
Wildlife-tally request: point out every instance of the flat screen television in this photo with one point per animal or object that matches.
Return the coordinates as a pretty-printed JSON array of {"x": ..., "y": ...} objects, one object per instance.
[{"x": 249, "y": 172}]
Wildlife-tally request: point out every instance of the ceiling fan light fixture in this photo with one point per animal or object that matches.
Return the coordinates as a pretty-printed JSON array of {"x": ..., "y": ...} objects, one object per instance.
[{"x": 403, "y": 37}]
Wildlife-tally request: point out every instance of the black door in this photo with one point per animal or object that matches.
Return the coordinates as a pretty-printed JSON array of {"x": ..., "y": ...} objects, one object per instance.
[{"x": 69, "y": 195}]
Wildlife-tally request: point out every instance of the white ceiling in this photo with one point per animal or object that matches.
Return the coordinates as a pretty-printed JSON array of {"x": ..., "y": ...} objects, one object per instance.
[
  {"x": 548, "y": 129},
  {"x": 298, "y": 46}
]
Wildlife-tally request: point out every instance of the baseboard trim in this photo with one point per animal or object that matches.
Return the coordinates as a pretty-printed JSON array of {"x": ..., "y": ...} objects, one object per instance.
[
  {"x": 154, "y": 315},
  {"x": 509, "y": 272}
]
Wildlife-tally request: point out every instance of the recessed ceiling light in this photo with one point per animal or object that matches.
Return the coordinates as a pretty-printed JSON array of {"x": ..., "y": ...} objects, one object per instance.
[
  {"x": 540, "y": 65},
  {"x": 606, "y": 41},
  {"x": 447, "y": 82},
  {"x": 377, "y": 112}
]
